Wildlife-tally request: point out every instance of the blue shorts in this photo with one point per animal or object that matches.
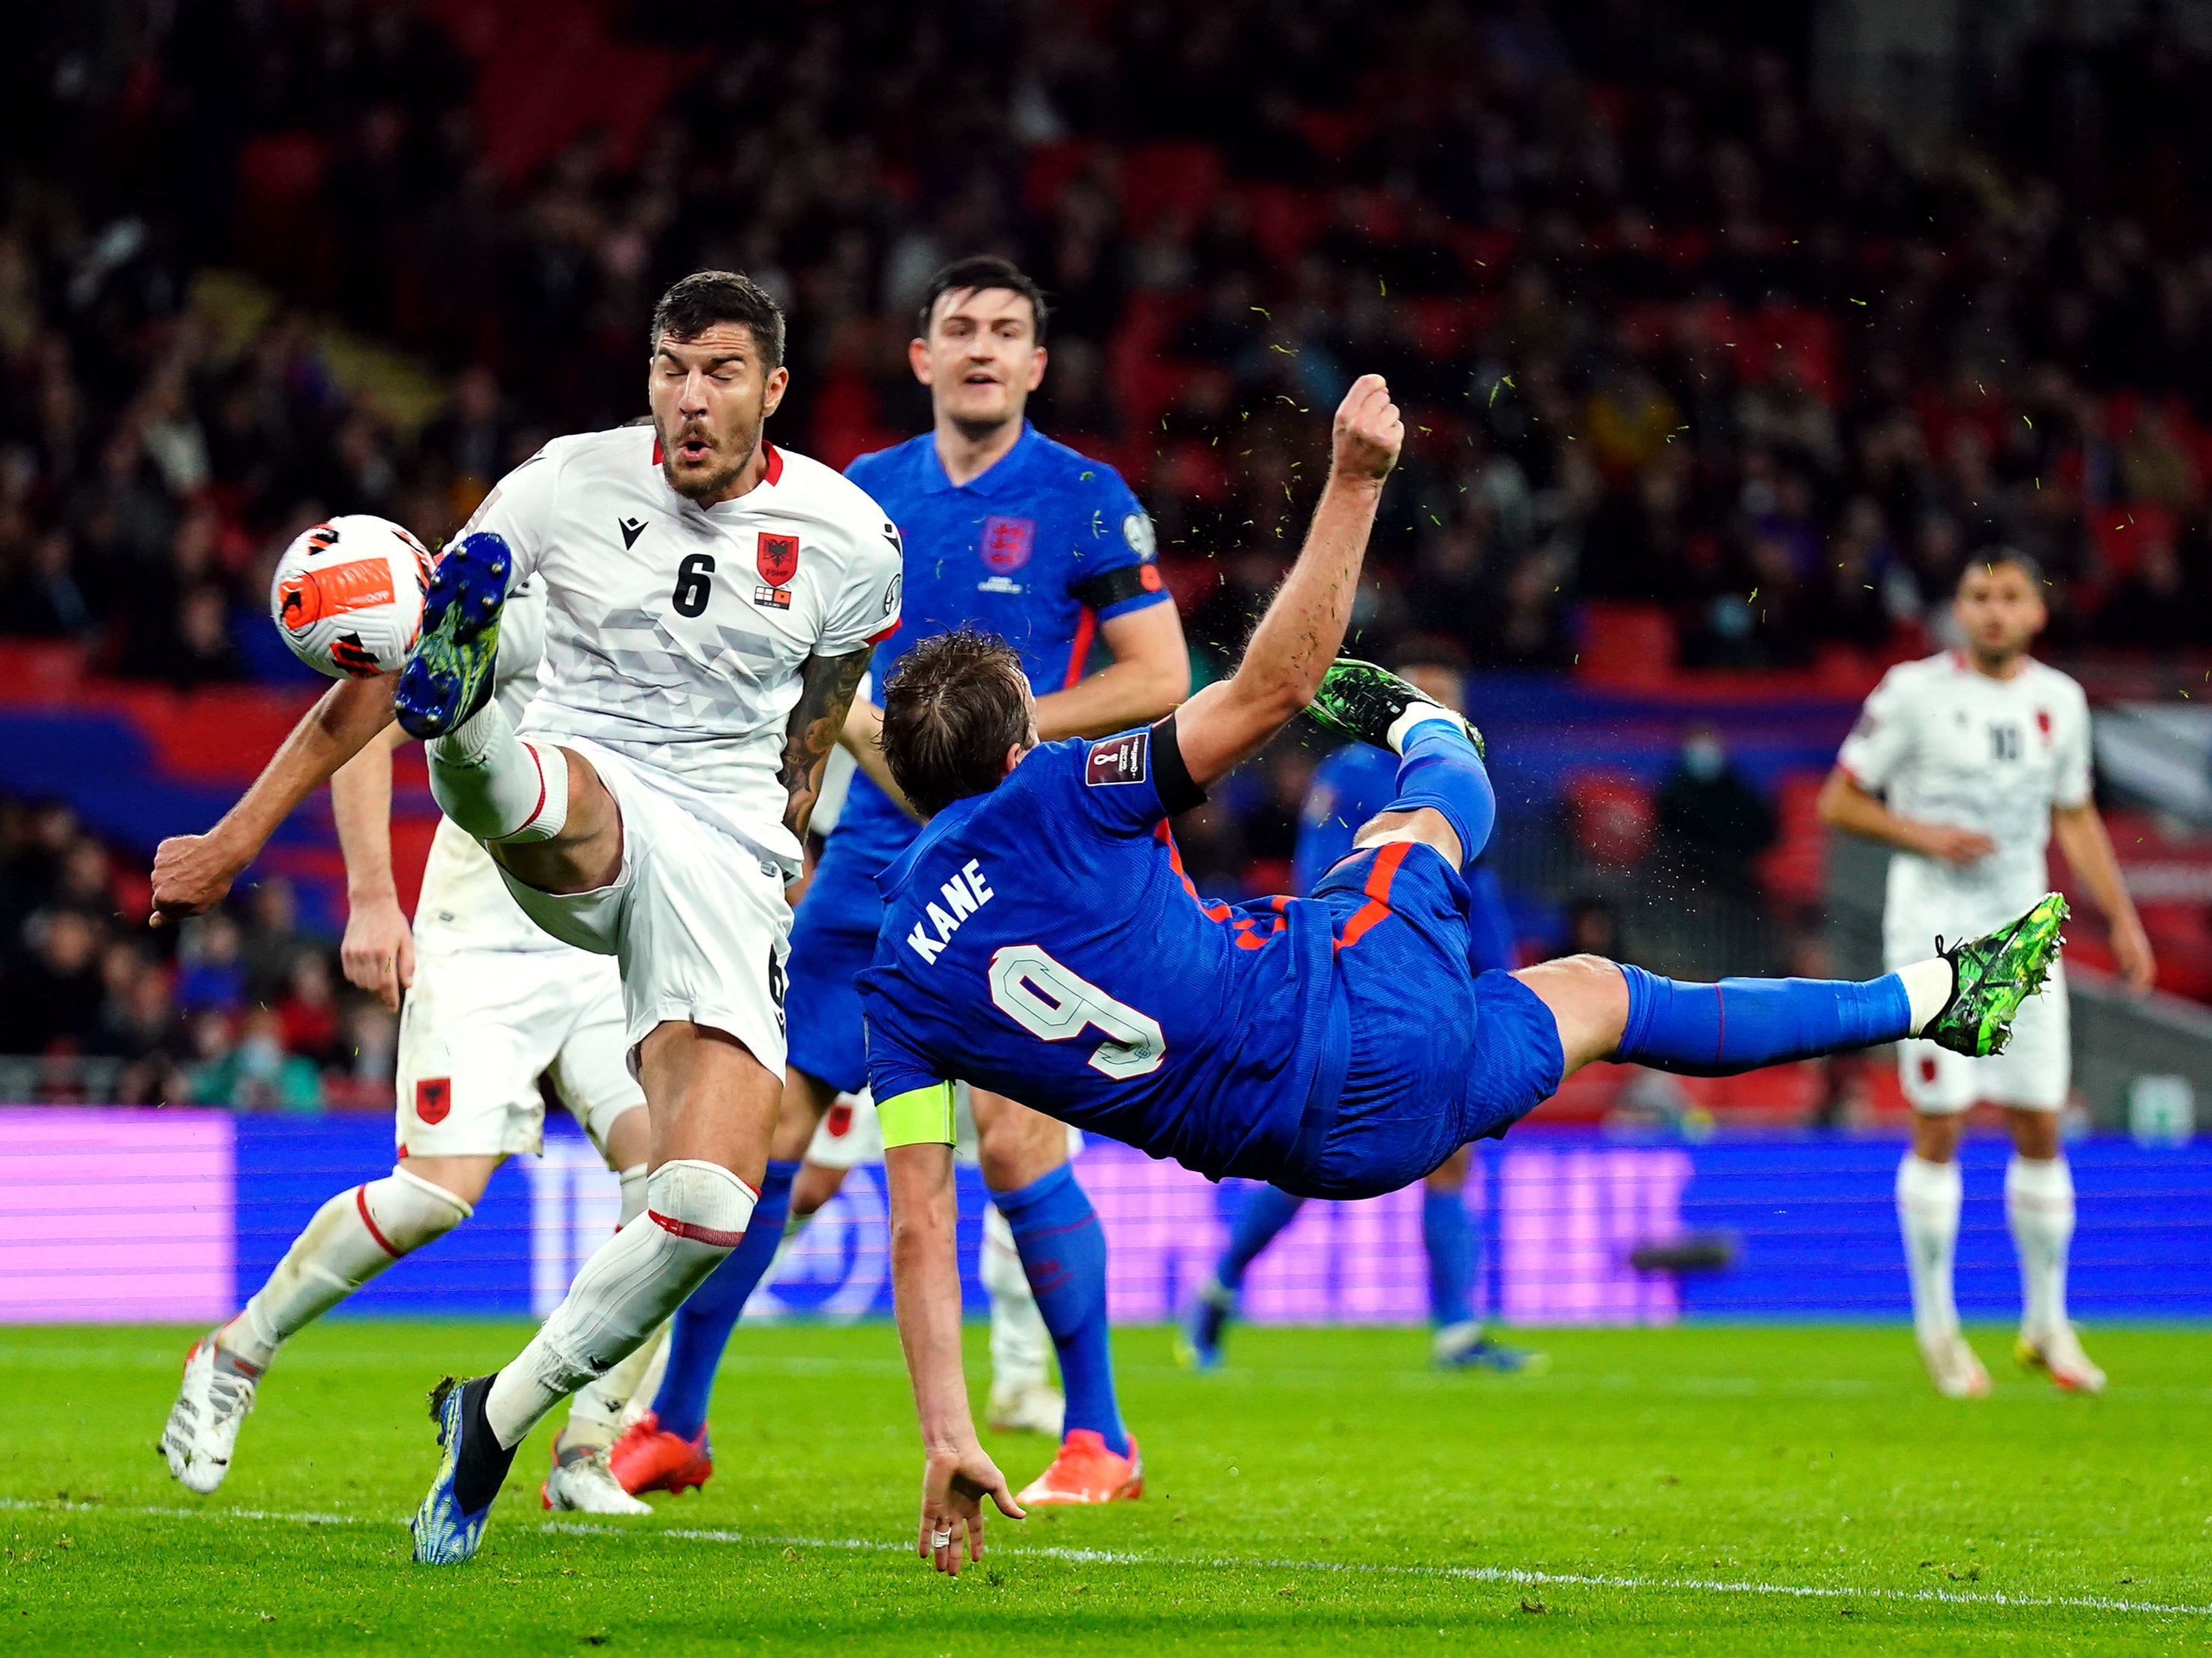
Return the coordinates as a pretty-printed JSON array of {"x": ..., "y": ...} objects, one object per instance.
[
  {"x": 833, "y": 938},
  {"x": 1434, "y": 1055}
]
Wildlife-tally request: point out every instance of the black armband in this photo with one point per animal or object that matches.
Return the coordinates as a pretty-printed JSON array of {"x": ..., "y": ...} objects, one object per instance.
[
  {"x": 1112, "y": 586},
  {"x": 1178, "y": 789}
]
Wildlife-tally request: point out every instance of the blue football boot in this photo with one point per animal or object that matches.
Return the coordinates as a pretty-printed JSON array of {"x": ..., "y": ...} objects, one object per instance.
[
  {"x": 449, "y": 1526},
  {"x": 448, "y": 674}
]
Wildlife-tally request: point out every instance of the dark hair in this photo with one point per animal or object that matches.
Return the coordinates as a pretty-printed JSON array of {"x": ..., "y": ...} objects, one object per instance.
[
  {"x": 1987, "y": 558},
  {"x": 706, "y": 297},
  {"x": 981, "y": 271},
  {"x": 952, "y": 707}
]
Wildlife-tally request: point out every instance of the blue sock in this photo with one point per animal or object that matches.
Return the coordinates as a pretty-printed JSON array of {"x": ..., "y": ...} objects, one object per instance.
[
  {"x": 702, "y": 1324},
  {"x": 1441, "y": 770},
  {"x": 1063, "y": 1250},
  {"x": 1740, "y": 1025},
  {"x": 1450, "y": 1243},
  {"x": 1266, "y": 1211}
]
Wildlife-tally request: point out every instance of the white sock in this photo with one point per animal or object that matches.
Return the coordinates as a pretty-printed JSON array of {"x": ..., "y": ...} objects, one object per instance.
[
  {"x": 696, "y": 1212},
  {"x": 1021, "y": 1348},
  {"x": 1928, "y": 988},
  {"x": 495, "y": 784},
  {"x": 2039, "y": 1205},
  {"x": 352, "y": 1238},
  {"x": 1928, "y": 1198},
  {"x": 1402, "y": 726},
  {"x": 595, "y": 1414}
]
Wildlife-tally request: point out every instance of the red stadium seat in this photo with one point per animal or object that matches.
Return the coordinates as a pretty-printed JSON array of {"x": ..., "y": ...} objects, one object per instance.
[{"x": 1610, "y": 816}]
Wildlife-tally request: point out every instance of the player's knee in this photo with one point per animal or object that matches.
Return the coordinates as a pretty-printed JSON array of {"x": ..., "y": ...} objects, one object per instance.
[
  {"x": 410, "y": 1211},
  {"x": 699, "y": 1203},
  {"x": 1016, "y": 1146}
]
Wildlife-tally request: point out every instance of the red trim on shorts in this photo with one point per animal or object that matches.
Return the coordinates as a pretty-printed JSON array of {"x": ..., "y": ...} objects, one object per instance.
[
  {"x": 1376, "y": 909},
  {"x": 361, "y": 1202},
  {"x": 1079, "y": 652},
  {"x": 684, "y": 1228}
]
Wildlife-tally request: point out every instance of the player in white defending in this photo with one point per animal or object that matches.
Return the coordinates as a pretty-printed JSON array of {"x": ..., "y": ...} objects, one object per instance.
[
  {"x": 713, "y": 603},
  {"x": 1968, "y": 763},
  {"x": 491, "y": 1004}
]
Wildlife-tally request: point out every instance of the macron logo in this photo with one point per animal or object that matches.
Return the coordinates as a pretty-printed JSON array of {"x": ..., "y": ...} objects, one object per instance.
[{"x": 963, "y": 895}]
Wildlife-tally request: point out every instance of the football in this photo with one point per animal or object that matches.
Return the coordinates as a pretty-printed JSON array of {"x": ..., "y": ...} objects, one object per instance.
[{"x": 348, "y": 596}]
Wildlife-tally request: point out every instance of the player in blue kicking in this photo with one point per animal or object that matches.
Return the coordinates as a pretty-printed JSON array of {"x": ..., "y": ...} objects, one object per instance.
[
  {"x": 1006, "y": 530},
  {"x": 1039, "y": 935},
  {"x": 1351, "y": 786}
]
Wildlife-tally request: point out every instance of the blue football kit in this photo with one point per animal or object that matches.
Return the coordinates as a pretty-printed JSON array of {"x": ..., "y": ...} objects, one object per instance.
[
  {"x": 1351, "y": 786},
  {"x": 1042, "y": 940},
  {"x": 1039, "y": 549}
]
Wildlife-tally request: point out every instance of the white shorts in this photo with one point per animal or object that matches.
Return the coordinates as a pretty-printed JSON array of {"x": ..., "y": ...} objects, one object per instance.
[
  {"x": 850, "y": 1134},
  {"x": 479, "y": 1029},
  {"x": 696, "y": 918},
  {"x": 2034, "y": 1073}
]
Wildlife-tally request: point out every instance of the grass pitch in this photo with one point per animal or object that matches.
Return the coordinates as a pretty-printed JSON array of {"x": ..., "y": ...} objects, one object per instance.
[{"x": 1696, "y": 1490}]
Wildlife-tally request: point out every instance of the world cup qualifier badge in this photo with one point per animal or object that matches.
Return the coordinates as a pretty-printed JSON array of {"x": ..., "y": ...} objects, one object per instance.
[{"x": 1119, "y": 759}]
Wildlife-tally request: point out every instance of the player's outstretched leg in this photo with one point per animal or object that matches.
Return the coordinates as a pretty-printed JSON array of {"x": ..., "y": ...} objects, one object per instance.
[
  {"x": 352, "y": 1238},
  {"x": 1063, "y": 1251},
  {"x": 1964, "y": 998},
  {"x": 695, "y": 1213},
  {"x": 1023, "y": 1398},
  {"x": 667, "y": 1450},
  {"x": 1265, "y": 1211}
]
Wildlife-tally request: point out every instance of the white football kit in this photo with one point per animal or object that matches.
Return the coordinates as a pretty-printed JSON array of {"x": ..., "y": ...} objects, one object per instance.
[
  {"x": 675, "y": 638},
  {"x": 1948, "y": 744},
  {"x": 497, "y": 1003}
]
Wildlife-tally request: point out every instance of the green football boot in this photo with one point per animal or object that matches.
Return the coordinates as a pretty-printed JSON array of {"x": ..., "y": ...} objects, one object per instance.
[
  {"x": 448, "y": 675},
  {"x": 1993, "y": 975},
  {"x": 1362, "y": 702}
]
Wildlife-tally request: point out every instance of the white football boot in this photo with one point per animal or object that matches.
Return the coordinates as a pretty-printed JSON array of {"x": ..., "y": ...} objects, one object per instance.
[
  {"x": 2058, "y": 1351},
  {"x": 586, "y": 1484},
  {"x": 1957, "y": 1373},
  {"x": 211, "y": 1406},
  {"x": 1027, "y": 1407}
]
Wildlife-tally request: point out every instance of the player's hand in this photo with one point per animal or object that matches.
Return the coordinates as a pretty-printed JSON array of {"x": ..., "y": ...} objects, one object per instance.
[
  {"x": 191, "y": 875},
  {"x": 953, "y": 1486},
  {"x": 1955, "y": 846},
  {"x": 1368, "y": 433},
  {"x": 378, "y": 951},
  {"x": 2131, "y": 954}
]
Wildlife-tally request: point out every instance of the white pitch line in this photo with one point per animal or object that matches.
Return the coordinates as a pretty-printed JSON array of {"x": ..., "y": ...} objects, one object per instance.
[{"x": 1221, "y": 1563}]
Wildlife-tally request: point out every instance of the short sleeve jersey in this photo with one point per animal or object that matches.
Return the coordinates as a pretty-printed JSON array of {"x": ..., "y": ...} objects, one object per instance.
[
  {"x": 1948, "y": 745},
  {"x": 1042, "y": 940},
  {"x": 675, "y": 632},
  {"x": 1039, "y": 549}
]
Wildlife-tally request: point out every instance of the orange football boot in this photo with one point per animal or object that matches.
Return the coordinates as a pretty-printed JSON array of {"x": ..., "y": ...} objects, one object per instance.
[
  {"x": 1086, "y": 1472},
  {"x": 647, "y": 1458}
]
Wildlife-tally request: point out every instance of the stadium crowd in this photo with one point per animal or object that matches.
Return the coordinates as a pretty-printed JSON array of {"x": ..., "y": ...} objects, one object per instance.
[{"x": 1673, "y": 339}]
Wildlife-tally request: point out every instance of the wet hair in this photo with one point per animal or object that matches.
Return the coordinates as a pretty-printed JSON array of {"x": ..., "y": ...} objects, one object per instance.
[
  {"x": 984, "y": 270},
  {"x": 706, "y": 297},
  {"x": 1988, "y": 558},
  {"x": 952, "y": 707}
]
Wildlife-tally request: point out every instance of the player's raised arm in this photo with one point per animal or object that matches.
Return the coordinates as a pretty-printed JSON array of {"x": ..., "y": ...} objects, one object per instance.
[
  {"x": 192, "y": 872},
  {"x": 1304, "y": 627},
  {"x": 378, "y": 951}
]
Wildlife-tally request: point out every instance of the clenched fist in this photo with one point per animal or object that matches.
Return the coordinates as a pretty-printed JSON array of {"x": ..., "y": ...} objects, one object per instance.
[{"x": 1368, "y": 433}]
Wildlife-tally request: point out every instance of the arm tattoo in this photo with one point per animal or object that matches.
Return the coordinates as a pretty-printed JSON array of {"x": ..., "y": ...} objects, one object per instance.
[{"x": 825, "y": 696}]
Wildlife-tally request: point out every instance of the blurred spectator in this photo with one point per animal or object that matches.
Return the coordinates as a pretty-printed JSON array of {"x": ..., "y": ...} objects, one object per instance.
[
  {"x": 309, "y": 1011},
  {"x": 210, "y": 972},
  {"x": 271, "y": 940},
  {"x": 255, "y": 1073},
  {"x": 1713, "y": 822},
  {"x": 53, "y": 997}
]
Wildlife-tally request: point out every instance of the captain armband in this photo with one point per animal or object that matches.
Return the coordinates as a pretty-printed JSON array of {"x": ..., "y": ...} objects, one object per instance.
[
  {"x": 1113, "y": 586},
  {"x": 921, "y": 1116}
]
